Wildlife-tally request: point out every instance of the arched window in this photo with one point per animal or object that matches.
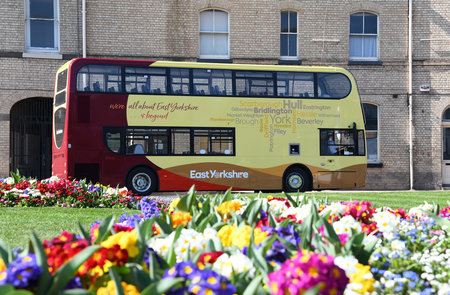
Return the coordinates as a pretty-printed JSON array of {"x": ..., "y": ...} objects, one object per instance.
[
  {"x": 446, "y": 115},
  {"x": 288, "y": 35},
  {"x": 214, "y": 41},
  {"x": 363, "y": 36},
  {"x": 371, "y": 114}
]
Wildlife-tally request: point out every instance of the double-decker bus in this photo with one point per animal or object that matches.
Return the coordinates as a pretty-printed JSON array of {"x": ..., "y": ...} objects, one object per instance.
[{"x": 165, "y": 126}]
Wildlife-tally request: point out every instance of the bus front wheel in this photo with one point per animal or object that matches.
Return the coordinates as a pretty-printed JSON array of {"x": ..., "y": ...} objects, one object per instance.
[
  {"x": 142, "y": 181},
  {"x": 296, "y": 180}
]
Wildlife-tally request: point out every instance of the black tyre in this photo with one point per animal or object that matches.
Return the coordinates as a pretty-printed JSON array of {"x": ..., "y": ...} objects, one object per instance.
[
  {"x": 296, "y": 179},
  {"x": 142, "y": 181}
]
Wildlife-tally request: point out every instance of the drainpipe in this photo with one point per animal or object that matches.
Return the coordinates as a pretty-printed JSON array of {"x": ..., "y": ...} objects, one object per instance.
[
  {"x": 83, "y": 21},
  {"x": 410, "y": 89}
]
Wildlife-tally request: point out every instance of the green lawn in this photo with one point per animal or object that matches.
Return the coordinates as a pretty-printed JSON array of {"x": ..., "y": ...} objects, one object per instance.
[{"x": 16, "y": 224}]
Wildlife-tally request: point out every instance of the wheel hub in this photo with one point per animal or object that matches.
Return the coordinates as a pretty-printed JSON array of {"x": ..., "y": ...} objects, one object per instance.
[
  {"x": 295, "y": 181},
  {"x": 141, "y": 182}
]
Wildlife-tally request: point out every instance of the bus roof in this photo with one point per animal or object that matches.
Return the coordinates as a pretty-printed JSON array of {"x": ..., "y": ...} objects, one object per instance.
[{"x": 202, "y": 65}]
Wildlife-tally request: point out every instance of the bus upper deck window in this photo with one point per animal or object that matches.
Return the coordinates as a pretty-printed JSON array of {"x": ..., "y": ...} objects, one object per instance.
[
  {"x": 333, "y": 85},
  {"x": 99, "y": 78}
]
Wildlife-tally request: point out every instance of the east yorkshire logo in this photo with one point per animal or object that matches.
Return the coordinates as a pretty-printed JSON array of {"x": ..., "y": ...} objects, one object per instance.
[{"x": 218, "y": 174}]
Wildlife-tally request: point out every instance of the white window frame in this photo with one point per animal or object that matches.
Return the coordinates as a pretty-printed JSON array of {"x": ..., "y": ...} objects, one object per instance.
[
  {"x": 377, "y": 132},
  {"x": 42, "y": 51},
  {"x": 227, "y": 56},
  {"x": 362, "y": 58},
  {"x": 289, "y": 57}
]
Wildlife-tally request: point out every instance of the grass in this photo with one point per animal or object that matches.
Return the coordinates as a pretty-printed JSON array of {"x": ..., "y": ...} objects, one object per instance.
[{"x": 16, "y": 224}]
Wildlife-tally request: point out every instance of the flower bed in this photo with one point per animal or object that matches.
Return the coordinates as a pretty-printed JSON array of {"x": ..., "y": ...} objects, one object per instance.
[
  {"x": 230, "y": 244},
  {"x": 20, "y": 191}
]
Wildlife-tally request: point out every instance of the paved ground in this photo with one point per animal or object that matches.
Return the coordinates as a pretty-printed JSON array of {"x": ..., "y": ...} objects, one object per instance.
[{"x": 169, "y": 196}]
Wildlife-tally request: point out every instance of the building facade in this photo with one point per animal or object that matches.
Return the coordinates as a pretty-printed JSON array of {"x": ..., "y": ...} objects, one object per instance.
[{"x": 404, "y": 82}]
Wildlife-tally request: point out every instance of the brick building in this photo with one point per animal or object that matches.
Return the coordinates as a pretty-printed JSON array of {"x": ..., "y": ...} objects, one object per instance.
[{"x": 369, "y": 38}]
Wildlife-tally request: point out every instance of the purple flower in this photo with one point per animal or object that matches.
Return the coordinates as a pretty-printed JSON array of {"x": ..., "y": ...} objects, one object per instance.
[
  {"x": 129, "y": 220},
  {"x": 149, "y": 208},
  {"x": 181, "y": 270},
  {"x": 150, "y": 252},
  {"x": 209, "y": 282},
  {"x": 21, "y": 273}
]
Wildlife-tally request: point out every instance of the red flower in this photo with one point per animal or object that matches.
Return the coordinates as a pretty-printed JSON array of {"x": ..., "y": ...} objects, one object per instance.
[{"x": 209, "y": 257}]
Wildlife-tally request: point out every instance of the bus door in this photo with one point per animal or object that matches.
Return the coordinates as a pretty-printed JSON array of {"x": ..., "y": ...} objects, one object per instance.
[{"x": 337, "y": 147}]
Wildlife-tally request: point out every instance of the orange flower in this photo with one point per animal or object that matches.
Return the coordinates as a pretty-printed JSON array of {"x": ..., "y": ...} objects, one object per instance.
[
  {"x": 179, "y": 218},
  {"x": 225, "y": 208}
]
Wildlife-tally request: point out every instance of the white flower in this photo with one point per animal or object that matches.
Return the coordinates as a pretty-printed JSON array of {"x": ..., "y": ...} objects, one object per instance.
[
  {"x": 209, "y": 233},
  {"x": 9, "y": 180},
  {"x": 398, "y": 245},
  {"x": 347, "y": 263},
  {"x": 300, "y": 213},
  {"x": 238, "y": 262},
  {"x": 335, "y": 208},
  {"x": 387, "y": 223},
  {"x": 390, "y": 284},
  {"x": 276, "y": 207},
  {"x": 419, "y": 210},
  {"x": 189, "y": 243},
  {"x": 346, "y": 224},
  {"x": 160, "y": 245}
]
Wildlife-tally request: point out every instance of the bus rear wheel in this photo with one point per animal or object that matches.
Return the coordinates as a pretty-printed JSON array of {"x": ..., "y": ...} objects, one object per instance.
[
  {"x": 142, "y": 181},
  {"x": 296, "y": 180}
]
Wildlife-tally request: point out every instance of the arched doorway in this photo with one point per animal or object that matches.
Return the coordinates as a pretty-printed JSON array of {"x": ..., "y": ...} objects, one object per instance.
[{"x": 31, "y": 137}]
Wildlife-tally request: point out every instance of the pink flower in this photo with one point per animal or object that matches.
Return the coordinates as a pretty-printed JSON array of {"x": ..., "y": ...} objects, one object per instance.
[{"x": 305, "y": 271}]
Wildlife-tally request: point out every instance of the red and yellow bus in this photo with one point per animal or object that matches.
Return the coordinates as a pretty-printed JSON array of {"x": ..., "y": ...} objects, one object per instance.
[{"x": 165, "y": 126}]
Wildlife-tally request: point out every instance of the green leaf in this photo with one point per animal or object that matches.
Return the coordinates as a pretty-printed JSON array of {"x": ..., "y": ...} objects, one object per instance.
[
  {"x": 153, "y": 267},
  {"x": 84, "y": 232},
  {"x": 75, "y": 292},
  {"x": 45, "y": 279},
  {"x": 137, "y": 276},
  {"x": 63, "y": 275},
  {"x": 5, "y": 289},
  {"x": 5, "y": 252},
  {"x": 331, "y": 236},
  {"x": 185, "y": 204},
  {"x": 203, "y": 224},
  {"x": 307, "y": 231},
  {"x": 272, "y": 221},
  {"x": 313, "y": 291},
  {"x": 257, "y": 256},
  {"x": 162, "y": 286},
  {"x": 117, "y": 281},
  {"x": 171, "y": 257},
  {"x": 253, "y": 286},
  {"x": 366, "y": 252},
  {"x": 219, "y": 225},
  {"x": 165, "y": 228},
  {"x": 104, "y": 229},
  {"x": 210, "y": 246},
  {"x": 144, "y": 232},
  {"x": 291, "y": 200}
]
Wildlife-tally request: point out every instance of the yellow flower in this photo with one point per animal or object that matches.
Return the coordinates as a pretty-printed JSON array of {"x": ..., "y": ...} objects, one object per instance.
[
  {"x": 126, "y": 240},
  {"x": 173, "y": 205},
  {"x": 110, "y": 289},
  {"x": 240, "y": 237},
  {"x": 180, "y": 218},
  {"x": 225, "y": 234},
  {"x": 225, "y": 208},
  {"x": 362, "y": 277}
]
